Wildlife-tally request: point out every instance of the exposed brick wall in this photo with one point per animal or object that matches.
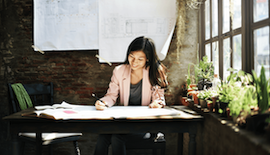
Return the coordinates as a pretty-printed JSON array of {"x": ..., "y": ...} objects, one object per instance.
[{"x": 74, "y": 74}]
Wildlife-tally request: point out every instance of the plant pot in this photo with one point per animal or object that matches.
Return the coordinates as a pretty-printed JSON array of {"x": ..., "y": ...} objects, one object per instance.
[
  {"x": 192, "y": 85},
  {"x": 210, "y": 106},
  {"x": 195, "y": 98},
  {"x": 190, "y": 103},
  {"x": 203, "y": 103},
  {"x": 184, "y": 101},
  {"x": 214, "y": 100},
  {"x": 223, "y": 106},
  {"x": 256, "y": 123},
  {"x": 228, "y": 114},
  {"x": 194, "y": 95}
]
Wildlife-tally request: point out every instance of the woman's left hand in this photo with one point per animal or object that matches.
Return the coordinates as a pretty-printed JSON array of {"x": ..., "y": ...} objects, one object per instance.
[{"x": 156, "y": 104}]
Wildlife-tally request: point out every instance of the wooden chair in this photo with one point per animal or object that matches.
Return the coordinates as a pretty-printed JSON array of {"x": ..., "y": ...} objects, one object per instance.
[
  {"x": 153, "y": 143},
  {"x": 42, "y": 94}
]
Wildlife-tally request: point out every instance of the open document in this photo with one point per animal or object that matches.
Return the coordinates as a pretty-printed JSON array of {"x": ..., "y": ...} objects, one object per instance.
[{"x": 66, "y": 111}]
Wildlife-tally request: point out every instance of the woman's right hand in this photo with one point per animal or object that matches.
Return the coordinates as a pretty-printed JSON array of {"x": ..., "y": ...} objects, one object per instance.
[{"x": 101, "y": 105}]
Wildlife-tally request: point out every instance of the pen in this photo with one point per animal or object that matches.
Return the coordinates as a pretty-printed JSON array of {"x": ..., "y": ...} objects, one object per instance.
[{"x": 99, "y": 99}]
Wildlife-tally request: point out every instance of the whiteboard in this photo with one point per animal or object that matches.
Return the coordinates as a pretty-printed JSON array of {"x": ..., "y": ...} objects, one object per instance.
[{"x": 65, "y": 24}]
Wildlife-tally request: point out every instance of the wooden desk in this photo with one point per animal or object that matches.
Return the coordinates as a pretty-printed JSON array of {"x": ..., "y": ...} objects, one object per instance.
[{"x": 166, "y": 124}]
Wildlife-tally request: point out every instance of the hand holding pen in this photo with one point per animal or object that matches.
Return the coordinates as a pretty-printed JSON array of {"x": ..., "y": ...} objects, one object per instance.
[{"x": 100, "y": 105}]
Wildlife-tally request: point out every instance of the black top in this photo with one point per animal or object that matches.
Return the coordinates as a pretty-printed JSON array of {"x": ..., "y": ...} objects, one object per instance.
[{"x": 135, "y": 96}]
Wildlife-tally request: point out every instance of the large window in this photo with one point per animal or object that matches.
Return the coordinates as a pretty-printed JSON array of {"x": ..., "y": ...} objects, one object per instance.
[{"x": 235, "y": 34}]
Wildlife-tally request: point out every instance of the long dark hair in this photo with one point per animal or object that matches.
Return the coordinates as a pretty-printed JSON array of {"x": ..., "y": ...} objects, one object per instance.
[{"x": 157, "y": 71}]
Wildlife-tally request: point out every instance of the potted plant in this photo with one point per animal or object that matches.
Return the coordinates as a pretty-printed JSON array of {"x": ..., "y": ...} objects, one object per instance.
[
  {"x": 242, "y": 105},
  {"x": 202, "y": 95},
  {"x": 188, "y": 77},
  {"x": 256, "y": 122},
  {"x": 192, "y": 88},
  {"x": 210, "y": 105},
  {"x": 262, "y": 90},
  {"x": 245, "y": 98},
  {"x": 205, "y": 96},
  {"x": 183, "y": 94},
  {"x": 204, "y": 71},
  {"x": 240, "y": 76},
  {"x": 226, "y": 94}
]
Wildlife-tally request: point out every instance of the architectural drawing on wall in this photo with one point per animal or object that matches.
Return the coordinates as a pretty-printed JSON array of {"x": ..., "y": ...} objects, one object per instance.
[
  {"x": 137, "y": 26},
  {"x": 119, "y": 25},
  {"x": 107, "y": 25},
  {"x": 66, "y": 24}
]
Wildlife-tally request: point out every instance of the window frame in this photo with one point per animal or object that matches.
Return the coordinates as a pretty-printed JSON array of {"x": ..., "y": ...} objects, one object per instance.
[{"x": 246, "y": 30}]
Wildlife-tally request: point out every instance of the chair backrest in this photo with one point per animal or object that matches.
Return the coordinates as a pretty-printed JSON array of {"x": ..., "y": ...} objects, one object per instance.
[{"x": 40, "y": 94}]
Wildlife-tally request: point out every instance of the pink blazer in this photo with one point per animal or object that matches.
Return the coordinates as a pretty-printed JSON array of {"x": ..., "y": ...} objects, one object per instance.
[{"x": 120, "y": 85}]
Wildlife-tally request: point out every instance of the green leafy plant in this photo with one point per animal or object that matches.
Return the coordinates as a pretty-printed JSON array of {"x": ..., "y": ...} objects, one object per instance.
[
  {"x": 203, "y": 95},
  {"x": 262, "y": 90},
  {"x": 241, "y": 95},
  {"x": 230, "y": 89},
  {"x": 205, "y": 69},
  {"x": 227, "y": 92},
  {"x": 207, "y": 94},
  {"x": 204, "y": 72},
  {"x": 240, "y": 76},
  {"x": 188, "y": 77},
  {"x": 243, "y": 102},
  {"x": 267, "y": 120}
]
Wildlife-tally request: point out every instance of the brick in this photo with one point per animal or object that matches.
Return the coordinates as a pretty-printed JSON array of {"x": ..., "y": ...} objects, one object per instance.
[
  {"x": 59, "y": 64},
  {"x": 85, "y": 96},
  {"x": 87, "y": 88},
  {"x": 82, "y": 92},
  {"x": 57, "y": 88}
]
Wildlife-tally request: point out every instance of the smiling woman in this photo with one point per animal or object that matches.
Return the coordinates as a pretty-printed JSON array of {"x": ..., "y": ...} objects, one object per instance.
[
  {"x": 137, "y": 61},
  {"x": 146, "y": 46},
  {"x": 140, "y": 81}
]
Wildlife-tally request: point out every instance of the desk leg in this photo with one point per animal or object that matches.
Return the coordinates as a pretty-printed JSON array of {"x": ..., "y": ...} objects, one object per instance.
[
  {"x": 192, "y": 144},
  {"x": 38, "y": 143},
  {"x": 16, "y": 145},
  {"x": 180, "y": 143}
]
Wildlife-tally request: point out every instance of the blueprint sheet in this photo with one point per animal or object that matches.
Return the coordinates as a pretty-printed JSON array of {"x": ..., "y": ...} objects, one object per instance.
[
  {"x": 65, "y": 24},
  {"x": 121, "y": 21},
  {"x": 107, "y": 25}
]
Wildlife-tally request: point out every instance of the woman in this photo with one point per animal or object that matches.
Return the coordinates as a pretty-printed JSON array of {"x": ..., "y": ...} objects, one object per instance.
[{"x": 140, "y": 81}]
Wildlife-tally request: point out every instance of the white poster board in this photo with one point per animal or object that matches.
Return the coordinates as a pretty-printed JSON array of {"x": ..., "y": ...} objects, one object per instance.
[
  {"x": 65, "y": 24},
  {"x": 107, "y": 25},
  {"x": 121, "y": 21}
]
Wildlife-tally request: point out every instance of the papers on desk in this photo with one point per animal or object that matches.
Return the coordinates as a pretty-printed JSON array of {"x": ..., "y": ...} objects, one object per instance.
[
  {"x": 69, "y": 111},
  {"x": 63, "y": 105}
]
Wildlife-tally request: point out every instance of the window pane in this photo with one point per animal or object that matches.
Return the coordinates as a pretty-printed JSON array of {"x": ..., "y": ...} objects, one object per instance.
[
  {"x": 237, "y": 18},
  {"x": 226, "y": 16},
  {"x": 208, "y": 51},
  {"x": 226, "y": 58},
  {"x": 237, "y": 52},
  {"x": 260, "y": 8},
  {"x": 215, "y": 52},
  {"x": 207, "y": 20},
  {"x": 214, "y": 18},
  {"x": 261, "y": 50}
]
